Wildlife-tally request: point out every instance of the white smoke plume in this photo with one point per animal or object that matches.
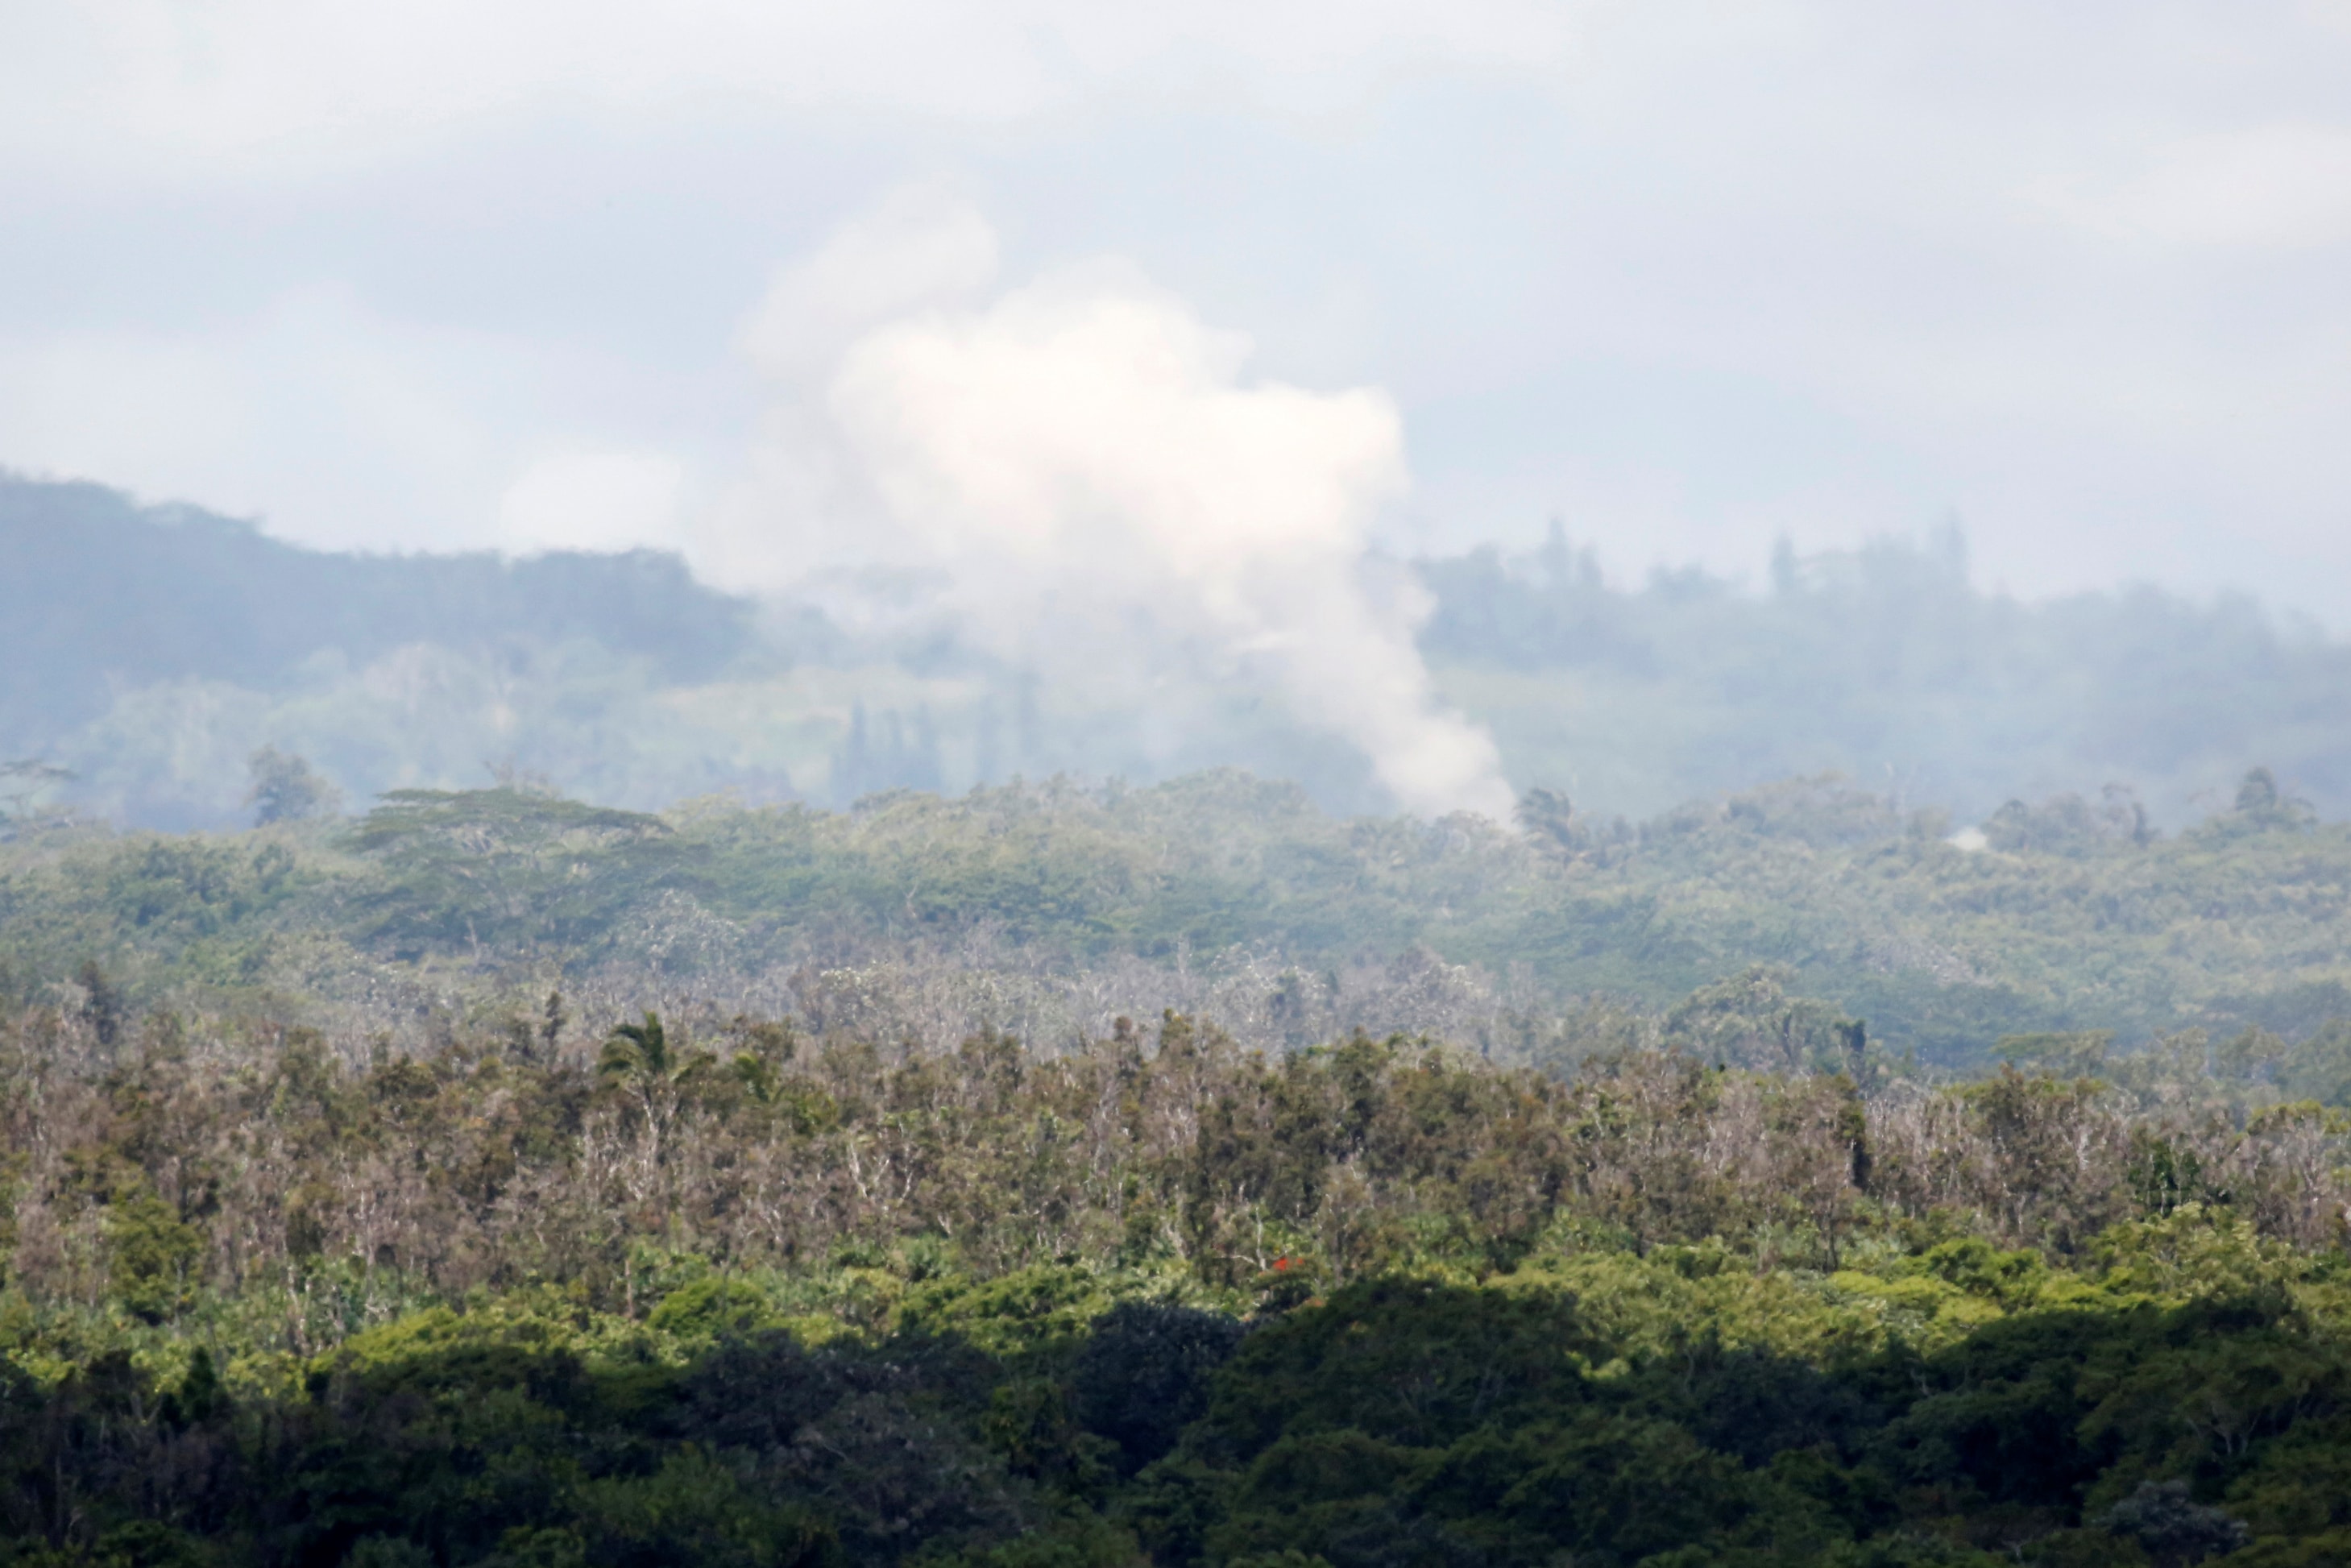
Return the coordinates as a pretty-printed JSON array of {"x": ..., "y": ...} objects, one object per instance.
[{"x": 1098, "y": 487}]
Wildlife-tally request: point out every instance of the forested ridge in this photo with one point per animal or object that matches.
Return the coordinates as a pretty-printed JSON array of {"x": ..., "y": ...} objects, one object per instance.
[{"x": 1047, "y": 909}]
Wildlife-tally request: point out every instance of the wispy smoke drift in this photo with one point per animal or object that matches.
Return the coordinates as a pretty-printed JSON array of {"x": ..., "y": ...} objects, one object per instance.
[{"x": 1101, "y": 492}]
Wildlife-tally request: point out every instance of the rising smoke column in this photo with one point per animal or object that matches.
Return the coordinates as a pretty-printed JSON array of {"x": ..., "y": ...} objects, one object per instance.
[{"x": 1085, "y": 462}]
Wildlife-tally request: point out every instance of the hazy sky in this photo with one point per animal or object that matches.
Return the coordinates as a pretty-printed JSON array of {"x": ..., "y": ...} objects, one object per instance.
[{"x": 1685, "y": 275}]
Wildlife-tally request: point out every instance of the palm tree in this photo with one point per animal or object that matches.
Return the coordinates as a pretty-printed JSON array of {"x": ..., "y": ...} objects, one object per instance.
[{"x": 638, "y": 1060}]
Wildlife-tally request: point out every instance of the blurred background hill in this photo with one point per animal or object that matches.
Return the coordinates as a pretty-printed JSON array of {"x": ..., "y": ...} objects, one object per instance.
[{"x": 154, "y": 650}]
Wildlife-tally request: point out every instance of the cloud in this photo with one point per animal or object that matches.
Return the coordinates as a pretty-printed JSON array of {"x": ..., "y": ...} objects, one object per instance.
[
  {"x": 337, "y": 425},
  {"x": 1100, "y": 488},
  {"x": 917, "y": 247},
  {"x": 1687, "y": 273},
  {"x": 153, "y": 85},
  {"x": 2266, "y": 187},
  {"x": 593, "y": 501}
]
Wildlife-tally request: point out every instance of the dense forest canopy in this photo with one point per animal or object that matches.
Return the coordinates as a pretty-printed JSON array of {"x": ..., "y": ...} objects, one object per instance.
[
  {"x": 723, "y": 1290},
  {"x": 155, "y": 650}
]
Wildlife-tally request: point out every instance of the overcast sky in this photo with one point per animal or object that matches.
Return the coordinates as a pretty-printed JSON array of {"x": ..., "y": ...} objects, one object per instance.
[{"x": 1687, "y": 276}]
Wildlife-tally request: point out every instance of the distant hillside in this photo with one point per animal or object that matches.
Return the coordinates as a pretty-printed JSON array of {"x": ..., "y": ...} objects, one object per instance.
[
  {"x": 154, "y": 651},
  {"x": 153, "y": 648},
  {"x": 102, "y": 594},
  {"x": 1886, "y": 665}
]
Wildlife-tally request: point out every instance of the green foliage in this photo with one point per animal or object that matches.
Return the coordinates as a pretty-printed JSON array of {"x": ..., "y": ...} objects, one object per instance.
[
  {"x": 1143, "y": 1373},
  {"x": 2167, "y": 1524},
  {"x": 1750, "y": 1019},
  {"x": 154, "y": 1254},
  {"x": 506, "y": 868},
  {"x": 1414, "y": 1418},
  {"x": 285, "y": 789},
  {"x": 712, "y": 1307}
]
